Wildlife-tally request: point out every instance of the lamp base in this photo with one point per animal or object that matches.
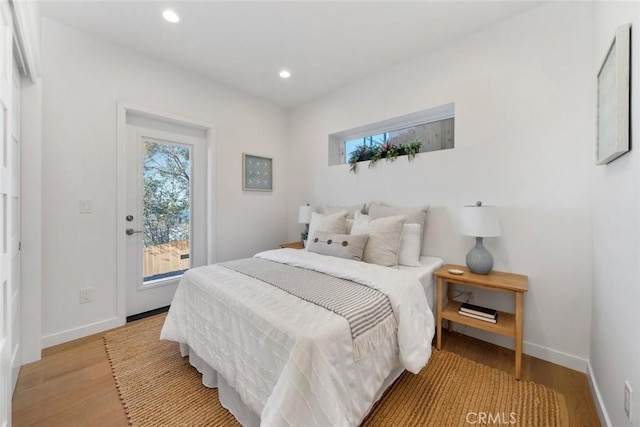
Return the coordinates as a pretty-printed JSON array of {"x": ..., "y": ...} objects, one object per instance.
[{"x": 479, "y": 260}]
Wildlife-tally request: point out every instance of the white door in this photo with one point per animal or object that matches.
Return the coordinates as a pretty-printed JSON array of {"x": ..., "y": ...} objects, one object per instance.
[
  {"x": 16, "y": 258},
  {"x": 9, "y": 291},
  {"x": 166, "y": 219}
]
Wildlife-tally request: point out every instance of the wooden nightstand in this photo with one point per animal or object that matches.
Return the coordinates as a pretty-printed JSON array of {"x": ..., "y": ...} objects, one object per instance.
[
  {"x": 293, "y": 245},
  {"x": 508, "y": 324}
]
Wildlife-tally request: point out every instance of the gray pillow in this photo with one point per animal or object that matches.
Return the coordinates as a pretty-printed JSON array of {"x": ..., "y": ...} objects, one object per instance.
[
  {"x": 349, "y": 246},
  {"x": 414, "y": 215},
  {"x": 328, "y": 210}
]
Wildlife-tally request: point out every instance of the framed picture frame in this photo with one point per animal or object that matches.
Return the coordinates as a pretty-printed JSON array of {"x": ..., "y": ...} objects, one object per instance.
[
  {"x": 613, "y": 99},
  {"x": 257, "y": 173}
]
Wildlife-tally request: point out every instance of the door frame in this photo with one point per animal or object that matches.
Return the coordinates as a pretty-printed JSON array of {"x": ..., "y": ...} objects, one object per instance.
[{"x": 125, "y": 108}]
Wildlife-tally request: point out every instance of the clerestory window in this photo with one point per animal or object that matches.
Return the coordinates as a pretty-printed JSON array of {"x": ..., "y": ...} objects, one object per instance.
[{"x": 431, "y": 129}]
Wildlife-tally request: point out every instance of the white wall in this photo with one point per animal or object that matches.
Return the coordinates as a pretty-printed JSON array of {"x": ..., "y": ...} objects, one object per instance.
[
  {"x": 615, "y": 337},
  {"x": 523, "y": 93},
  {"x": 84, "y": 77}
]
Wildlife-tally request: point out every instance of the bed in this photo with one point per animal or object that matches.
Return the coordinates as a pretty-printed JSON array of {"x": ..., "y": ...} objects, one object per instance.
[
  {"x": 278, "y": 360},
  {"x": 313, "y": 337}
]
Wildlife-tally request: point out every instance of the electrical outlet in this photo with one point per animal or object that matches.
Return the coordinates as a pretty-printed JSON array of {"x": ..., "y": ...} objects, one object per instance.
[
  {"x": 86, "y": 295},
  {"x": 628, "y": 395},
  {"x": 86, "y": 206}
]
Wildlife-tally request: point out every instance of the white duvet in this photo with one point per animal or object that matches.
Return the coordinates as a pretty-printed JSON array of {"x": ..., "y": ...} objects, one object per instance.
[{"x": 291, "y": 361}]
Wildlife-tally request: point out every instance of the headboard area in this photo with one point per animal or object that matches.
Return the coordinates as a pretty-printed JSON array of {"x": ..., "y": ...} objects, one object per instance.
[{"x": 380, "y": 222}]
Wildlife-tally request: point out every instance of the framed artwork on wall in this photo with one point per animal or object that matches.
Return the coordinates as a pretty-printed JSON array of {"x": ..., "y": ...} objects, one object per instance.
[
  {"x": 257, "y": 173},
  {"x": 613, "y": 99}
]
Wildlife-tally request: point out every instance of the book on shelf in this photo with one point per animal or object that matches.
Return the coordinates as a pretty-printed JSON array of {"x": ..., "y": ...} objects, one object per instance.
[
  {"x": 478, "y": 310},
  {"x": 474, "y": 316}
]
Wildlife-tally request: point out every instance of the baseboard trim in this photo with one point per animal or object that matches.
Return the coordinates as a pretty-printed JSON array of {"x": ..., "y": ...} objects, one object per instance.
[
  {"x": 550, "y": 355},
  {"x": 555, "y": 356},
  {"x": 597, "y": 398},
  {"x": 80, "y": 332}
]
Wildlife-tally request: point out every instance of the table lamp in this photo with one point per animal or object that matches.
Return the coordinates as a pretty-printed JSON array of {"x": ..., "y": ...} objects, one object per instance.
[
  {"x": 304, "y": 217},
  {"x": 479, "y": 221}
]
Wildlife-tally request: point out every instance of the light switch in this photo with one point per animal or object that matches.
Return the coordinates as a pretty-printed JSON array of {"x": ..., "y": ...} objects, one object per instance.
[{"x": 85, "y": 206}]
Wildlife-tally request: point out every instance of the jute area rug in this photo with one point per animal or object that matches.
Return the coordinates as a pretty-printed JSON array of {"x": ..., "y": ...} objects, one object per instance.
[{"x": 159, "y": 388}]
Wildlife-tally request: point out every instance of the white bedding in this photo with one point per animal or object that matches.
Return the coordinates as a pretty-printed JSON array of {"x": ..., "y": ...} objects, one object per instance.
[
  {"x": 290, "y": 361},
  {"x": 424, "y": 273}
]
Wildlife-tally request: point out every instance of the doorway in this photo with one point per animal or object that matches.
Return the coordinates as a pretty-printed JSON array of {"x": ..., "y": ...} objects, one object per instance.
[{"x": 166, "y": 207}]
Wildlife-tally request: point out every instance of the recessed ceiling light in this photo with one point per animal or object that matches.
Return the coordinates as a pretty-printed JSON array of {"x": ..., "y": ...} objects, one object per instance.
[
  {"x": 285, "y": 74},
  {"x": 170, "y": 16}
]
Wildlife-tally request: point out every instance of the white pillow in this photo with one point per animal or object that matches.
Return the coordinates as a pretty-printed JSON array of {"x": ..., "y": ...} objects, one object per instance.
[
  {"x": 384, "y": 238},
  {"x": 360, "y": 224},
  {"x": 339, "y": 245},
  {"x": 410, "y": 246},
  {"x": 349, "y": 225},
  {"x": 334, "y": 223}
]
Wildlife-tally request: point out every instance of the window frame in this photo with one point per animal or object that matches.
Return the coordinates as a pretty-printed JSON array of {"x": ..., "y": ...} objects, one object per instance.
[{"x": 337, "y": 141}]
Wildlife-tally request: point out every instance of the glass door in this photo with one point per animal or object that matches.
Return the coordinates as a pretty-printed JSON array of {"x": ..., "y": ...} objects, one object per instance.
[
  {"x": 166, "y": 181},
  {"x": 166, "y": 210}
]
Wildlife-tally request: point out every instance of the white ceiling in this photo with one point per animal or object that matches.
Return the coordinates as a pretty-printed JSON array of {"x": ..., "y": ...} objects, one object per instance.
[{"x": 244, "y": 44}]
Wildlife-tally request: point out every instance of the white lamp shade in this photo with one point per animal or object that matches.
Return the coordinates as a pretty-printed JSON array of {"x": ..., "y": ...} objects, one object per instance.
[
  {"x": 304, "y": 214},
  {"x": 479, "y": 221}
]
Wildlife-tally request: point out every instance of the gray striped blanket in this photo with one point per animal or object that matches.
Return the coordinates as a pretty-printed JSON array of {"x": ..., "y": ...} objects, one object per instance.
[{"x": 367, "y": 310}]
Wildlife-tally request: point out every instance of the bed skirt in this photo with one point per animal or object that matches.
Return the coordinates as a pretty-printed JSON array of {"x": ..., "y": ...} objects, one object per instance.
[{"x": 231, "y": 400}]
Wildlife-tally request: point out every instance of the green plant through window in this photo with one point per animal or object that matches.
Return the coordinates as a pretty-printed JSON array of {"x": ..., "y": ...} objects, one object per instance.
[
  {"x": 366, "y": 141},
  {"x": 389, "y": 145},
  {"x": 385, "y": 145},
  {"x": 386, "y": 150},
  {"x": 166, "y": 208}
]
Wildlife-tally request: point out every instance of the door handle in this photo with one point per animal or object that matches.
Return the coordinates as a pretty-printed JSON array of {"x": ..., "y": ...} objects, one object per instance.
[{"x": 131, "y": 231}]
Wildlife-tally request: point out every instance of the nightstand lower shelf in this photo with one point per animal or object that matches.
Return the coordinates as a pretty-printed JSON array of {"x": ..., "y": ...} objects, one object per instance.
[{"x": 506, "y": 324}]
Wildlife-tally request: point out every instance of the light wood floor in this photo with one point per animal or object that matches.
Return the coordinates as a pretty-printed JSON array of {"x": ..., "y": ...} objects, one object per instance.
[{"x": 72, "y": 385}]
